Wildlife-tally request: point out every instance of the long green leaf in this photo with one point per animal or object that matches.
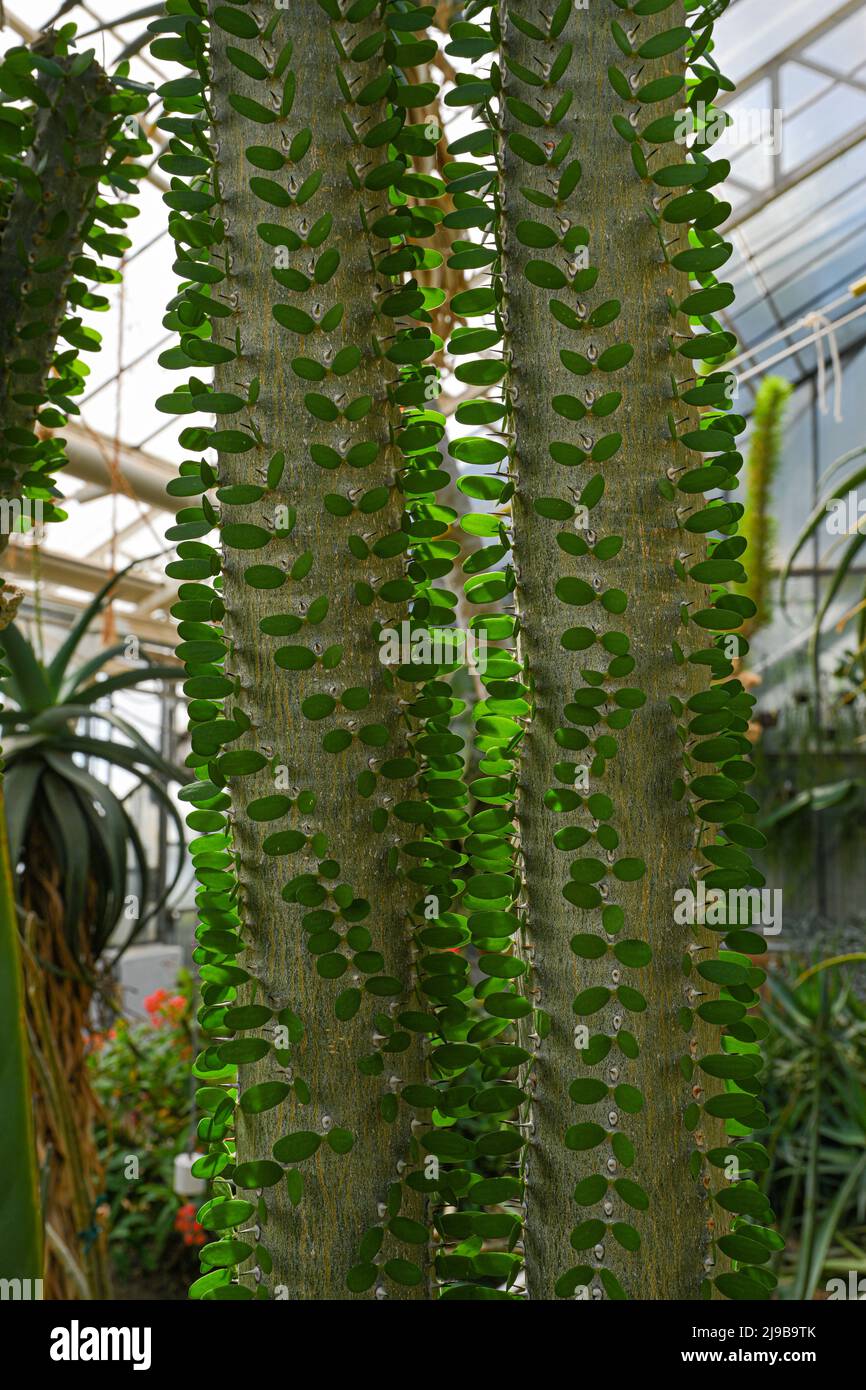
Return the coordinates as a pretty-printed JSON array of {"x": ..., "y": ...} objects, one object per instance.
[
  {"x": 841, "y": 462},
  {"x": 124, "y": 680},
  {"x": 154, "y": 759},
  {"x": 817, "y": 516},
  {"x": 21, "y": 781},
  {"x": 141, "y": 919},
  {"x": 109, "y": 865},
  {"x": 19, "y": 744},
  {"x": 828, "y": 964},
  {"x": 827, "y": 1230},
  {"x": 840, "y": 574},
  {"x": 65, "y": 653},
  {"x": 72, "y": 840},
  {"x": 811, "y": 1194},
  {"x": 121, "y": 755},
  {"x": 27, "y": 685},
  {"x": 813, "y": 798},
  {"x": 20, "y": 1220},
  {"x": 88, "y": 669},
  {"x": 118, "y": 824},
  {"x": 108, "y": 843},
  {"x": 145, "y": 12}
]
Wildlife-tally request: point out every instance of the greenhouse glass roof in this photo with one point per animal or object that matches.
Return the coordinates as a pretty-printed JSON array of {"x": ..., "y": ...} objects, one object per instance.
[{"x": 798, "y": 224}]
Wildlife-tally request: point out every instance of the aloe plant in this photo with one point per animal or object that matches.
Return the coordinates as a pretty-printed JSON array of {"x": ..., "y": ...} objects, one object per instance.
[
  {"x": 479, "y": 1003},
  {"x": 72, "y": 843},
  {"x": 62, "y": 822},
  {"x": 817, "y": 1171}
]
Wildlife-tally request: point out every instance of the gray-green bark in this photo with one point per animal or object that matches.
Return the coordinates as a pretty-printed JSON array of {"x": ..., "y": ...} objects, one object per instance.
[
  {"x": 314, "y": 1244},
  {"x": 611, "y": 201}
]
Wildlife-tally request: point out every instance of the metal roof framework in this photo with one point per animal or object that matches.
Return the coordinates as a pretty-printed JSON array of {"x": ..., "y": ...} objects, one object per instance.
[
  {"x": 797, "y": 219},
  {"x": 796, "y": 223}
]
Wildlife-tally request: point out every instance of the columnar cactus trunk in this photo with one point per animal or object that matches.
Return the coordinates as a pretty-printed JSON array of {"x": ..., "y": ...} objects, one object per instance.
[
  {"x": 306, "y": 653},
  {"x": 617, "y": 1204},
  {"x": 47, "y": 218},
  {"x": 318, "y": 365},
  {"x": 622, "y": 805}
]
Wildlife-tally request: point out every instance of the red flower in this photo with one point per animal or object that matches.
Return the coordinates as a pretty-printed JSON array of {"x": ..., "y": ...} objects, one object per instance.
[
  {"x": 153, "y": 1003},
  {"x": 186, "y": 1224},
  {"x": 165, "y": 1008}
]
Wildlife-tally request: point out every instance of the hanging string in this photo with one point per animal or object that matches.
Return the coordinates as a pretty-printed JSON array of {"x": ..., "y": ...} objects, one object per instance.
[
  {"x": 818, "y": 320},
  {"x": 814, "y": 337},
  {"x": 818, "y": 325}
]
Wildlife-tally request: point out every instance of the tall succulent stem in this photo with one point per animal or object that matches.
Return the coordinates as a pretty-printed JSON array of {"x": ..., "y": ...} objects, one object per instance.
[
  {"x": 601, "y": 416},
  {"x": 74, "y": 138},
  {"x": 317, "y": 342},
  {"x": 343, "y": 849},
  {"x": 759, "y": 524}
]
